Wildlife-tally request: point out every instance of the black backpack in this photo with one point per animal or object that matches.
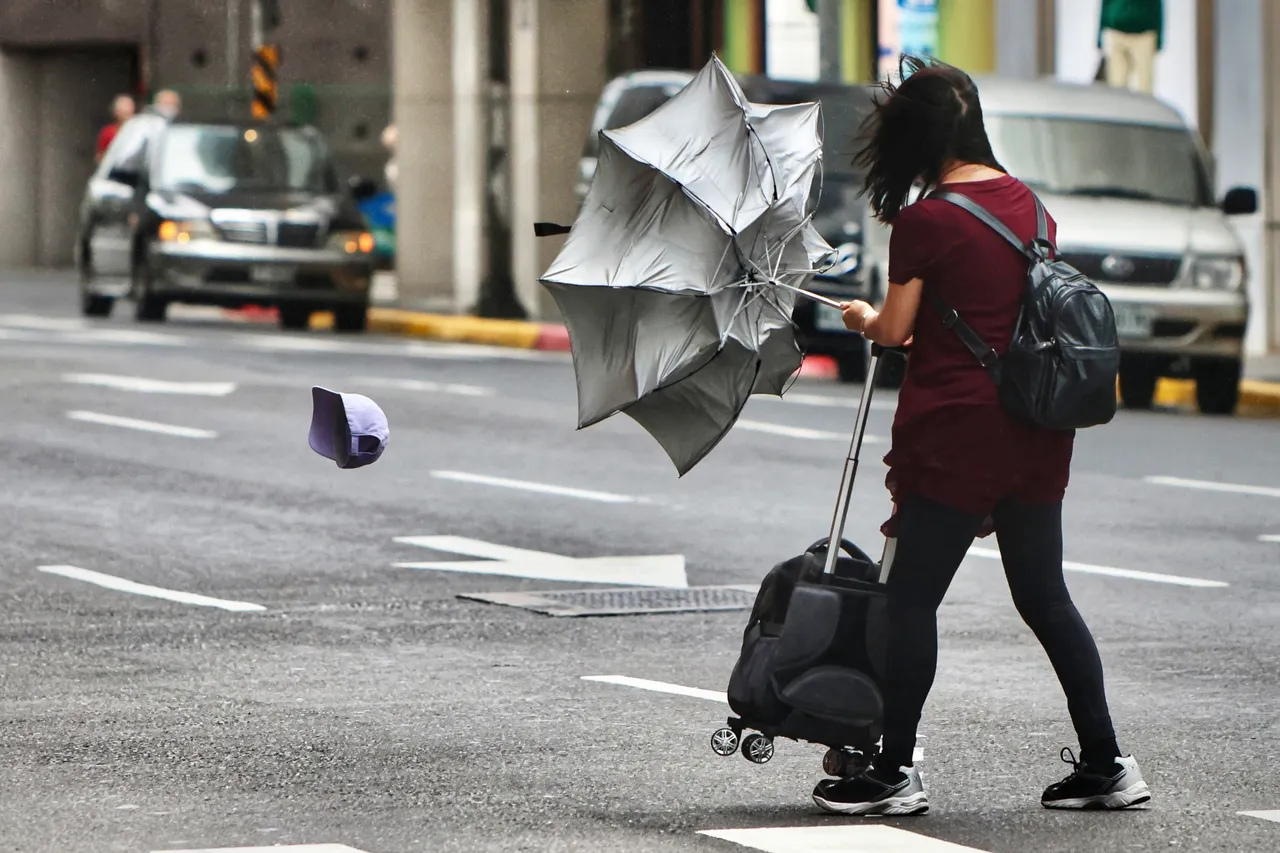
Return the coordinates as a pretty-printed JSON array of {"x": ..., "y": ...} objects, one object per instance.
[{"x": 1060, "y": 369}]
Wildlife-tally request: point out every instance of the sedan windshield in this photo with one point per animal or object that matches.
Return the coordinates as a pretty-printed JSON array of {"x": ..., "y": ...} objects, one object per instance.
[
  {"x": 219, "y": 160},
  {"x": 1101, "y": 159}
]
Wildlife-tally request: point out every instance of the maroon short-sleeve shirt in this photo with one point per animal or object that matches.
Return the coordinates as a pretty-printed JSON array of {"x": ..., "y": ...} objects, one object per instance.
[{"x": 952, "y": 441}]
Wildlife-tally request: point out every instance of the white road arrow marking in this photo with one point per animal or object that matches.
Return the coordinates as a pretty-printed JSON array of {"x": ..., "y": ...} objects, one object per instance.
[
  {"x": 1272, "y": 815},
  {"x": 663, "y": 570},
  {"x": 135, "y": 588},
  {"x": 143, "y": 385}
]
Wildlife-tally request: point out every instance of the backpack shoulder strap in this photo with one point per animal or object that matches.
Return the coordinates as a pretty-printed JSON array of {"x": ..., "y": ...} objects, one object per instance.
[
  {"x": 972, "y": 341},
  {"x": 988, "y": 219}
]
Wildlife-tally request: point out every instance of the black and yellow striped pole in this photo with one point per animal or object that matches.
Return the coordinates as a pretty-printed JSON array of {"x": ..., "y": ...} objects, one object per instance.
[
  {"x": 266, "y": 80},
  {"x": 266, "y": 59}
]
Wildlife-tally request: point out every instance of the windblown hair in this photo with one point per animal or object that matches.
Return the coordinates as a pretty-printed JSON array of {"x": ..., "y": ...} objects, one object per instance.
[{"x": 929, "y": 119}]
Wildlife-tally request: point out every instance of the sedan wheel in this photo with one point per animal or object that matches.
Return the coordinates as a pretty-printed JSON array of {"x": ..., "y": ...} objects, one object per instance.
[{"x": 295, "y": 317}]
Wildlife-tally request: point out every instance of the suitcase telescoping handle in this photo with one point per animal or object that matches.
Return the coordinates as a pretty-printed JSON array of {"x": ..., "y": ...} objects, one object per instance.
[{"x": 855, "y": 448}]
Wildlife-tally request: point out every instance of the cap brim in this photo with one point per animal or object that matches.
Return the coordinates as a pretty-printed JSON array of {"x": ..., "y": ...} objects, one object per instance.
[{"x": 330, "y": 434}]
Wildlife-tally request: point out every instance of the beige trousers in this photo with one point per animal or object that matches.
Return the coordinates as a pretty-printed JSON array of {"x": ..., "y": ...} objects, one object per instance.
[{"x": 1131, "y": 59}]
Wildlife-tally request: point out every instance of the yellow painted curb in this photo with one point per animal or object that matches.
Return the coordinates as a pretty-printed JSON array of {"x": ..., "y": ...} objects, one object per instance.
[
  {"x": 444, "y": 327},
  {"x": 1254, "y": 393}
]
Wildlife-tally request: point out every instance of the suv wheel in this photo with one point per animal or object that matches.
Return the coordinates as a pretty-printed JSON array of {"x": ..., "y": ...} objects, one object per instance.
[
  {"x": 295, "y": 317},
  {"x": 93, "y": 305},
  {"x": 350, "y": 318},
  {"x": 851, "y": 366},
  {"x": 1217, "y": 386},
  {"x": 1138, "y": 378}
]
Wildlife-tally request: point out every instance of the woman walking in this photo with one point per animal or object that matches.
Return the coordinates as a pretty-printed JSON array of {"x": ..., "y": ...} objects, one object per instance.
[{"x": 960, "y": 467}]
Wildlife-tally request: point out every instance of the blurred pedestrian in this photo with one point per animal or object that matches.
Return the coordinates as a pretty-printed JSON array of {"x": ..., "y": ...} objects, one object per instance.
[
  {"x": 960, "y": 466},
  {"x": 391, "y": 171},
  {"x": 122, "y": 109},
  {"x": 1131, "y": 33},
  {"x": 167, "y": 103}
]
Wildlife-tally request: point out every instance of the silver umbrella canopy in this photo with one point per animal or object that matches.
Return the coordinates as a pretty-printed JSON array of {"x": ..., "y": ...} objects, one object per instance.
[{"x": 680, "y": 274}]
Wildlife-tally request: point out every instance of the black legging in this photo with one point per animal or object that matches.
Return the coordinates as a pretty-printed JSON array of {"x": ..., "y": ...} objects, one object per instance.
[{"x": 932, "y": 541}]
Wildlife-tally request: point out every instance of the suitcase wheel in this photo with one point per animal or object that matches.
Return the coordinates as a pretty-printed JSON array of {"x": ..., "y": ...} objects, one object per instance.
[
  {"x": 757, "y": 749},
  {"x": 724, "y": 742},
  {"x": 844, "y": 763}
]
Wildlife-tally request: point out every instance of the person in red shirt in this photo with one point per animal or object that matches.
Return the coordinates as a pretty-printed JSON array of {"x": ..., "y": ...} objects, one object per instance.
[
  {"x": 959, "y": 466},
  {"x": 122, "y": 109}
]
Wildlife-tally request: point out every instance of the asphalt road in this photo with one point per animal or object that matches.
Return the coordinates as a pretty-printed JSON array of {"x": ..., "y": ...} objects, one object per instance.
[{"x": 327, "y": 695}]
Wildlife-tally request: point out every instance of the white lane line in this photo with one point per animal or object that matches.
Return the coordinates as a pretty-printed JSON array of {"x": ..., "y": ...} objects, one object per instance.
[
  {"x": 661, "y": 570},
  {"x": 144, "y": 426},
  {"x": 122, "y": 585},
  {"x": 801, "y": 432},
  {"x": 836, "y": 839},
  {"x": 143, "y": 385},
  {"x": 1272, "y": 815},
  {"x": 427, "y": 387},
  {"x": 49, "y": 324},
  {"x": 540, "y": 488},
  {"x": 681, "y": 690},
  {"x": 829, "y": 402},
  {"x": 1210, "y": 486},
  {"x": 1269, "y": 538},
  {"x": 1130, "y": 574},
  {"x": 659, "y": 687},
  {"x": 278, "y": 848}
]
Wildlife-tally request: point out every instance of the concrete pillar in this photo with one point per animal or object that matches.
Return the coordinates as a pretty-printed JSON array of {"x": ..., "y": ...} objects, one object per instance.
[
  {"x": 439, "y": 68},
  {"x": 1017, "y": 38},
  {"x": 19, "y": 135},
  {"x": 557, "y": 69}
]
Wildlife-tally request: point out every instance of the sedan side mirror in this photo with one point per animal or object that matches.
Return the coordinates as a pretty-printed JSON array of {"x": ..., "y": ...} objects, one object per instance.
[
  {"x": 1240, "y": 201},
  {"x": 128, "y": 177}
]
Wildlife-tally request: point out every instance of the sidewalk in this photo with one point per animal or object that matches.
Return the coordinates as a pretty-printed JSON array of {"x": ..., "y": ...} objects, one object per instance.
[{"x": 1259, "y": 391}]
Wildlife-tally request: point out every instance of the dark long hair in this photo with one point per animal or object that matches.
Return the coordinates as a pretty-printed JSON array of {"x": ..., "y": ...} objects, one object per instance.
[{"x": 930, "y": 118}]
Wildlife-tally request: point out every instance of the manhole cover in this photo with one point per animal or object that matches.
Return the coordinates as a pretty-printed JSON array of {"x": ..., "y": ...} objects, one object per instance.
[{"x": 624, "y": 602}]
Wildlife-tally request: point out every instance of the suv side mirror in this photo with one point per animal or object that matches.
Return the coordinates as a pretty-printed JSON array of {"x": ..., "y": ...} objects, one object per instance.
[
  {"x": 362, "y": 188},
  {"x": 1240, "y": 201},
  {"x": 128, "y": 177}
]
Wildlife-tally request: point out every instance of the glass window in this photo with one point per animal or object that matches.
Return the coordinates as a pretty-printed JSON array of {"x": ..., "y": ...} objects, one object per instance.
[
  {"x": 223, "y": 159},
  {"x": 1100, "y": 158}
]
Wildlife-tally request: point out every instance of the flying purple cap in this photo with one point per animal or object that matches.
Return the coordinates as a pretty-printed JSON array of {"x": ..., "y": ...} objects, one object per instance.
[{"x": 350, "y": 429}]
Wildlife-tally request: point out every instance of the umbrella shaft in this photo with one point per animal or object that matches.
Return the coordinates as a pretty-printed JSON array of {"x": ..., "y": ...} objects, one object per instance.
[{"x": 814, "y": 296}]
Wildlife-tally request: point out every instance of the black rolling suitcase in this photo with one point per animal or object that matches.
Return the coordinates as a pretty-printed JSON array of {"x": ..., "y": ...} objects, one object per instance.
[{"x": 812, "y": 658}]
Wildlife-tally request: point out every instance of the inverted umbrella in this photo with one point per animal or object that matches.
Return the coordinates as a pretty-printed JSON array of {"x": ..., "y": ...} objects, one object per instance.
[{"x": 680, "y": 273}]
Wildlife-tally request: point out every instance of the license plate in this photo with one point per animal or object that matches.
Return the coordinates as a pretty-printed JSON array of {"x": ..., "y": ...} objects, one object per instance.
[
  {"x": 1133, "y": 322},
  {"x": 272, "y": 274},
  {"x": 828, "y": 319}
]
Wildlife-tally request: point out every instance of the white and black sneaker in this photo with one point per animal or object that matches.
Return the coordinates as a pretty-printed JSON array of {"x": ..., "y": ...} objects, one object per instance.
[
  {"x": 874, "y": 792},
  {"x": 1117, "y": 787}
]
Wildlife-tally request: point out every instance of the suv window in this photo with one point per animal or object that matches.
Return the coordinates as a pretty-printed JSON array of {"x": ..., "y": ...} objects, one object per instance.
[{"x": 1103, "y": 159}]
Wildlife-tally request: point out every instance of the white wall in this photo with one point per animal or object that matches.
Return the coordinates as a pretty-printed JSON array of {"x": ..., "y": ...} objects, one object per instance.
[
  {"x": 791, "y": 40},
  {"x": 1240, "y": 140},
  {"x": 1175, "y": 75}
]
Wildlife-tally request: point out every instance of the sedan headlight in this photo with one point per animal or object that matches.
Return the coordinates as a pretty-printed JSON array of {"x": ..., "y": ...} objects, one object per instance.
[
  {"x": 186, "y": 230},
  {"x": 352, "y": 242},
  {"x": 1217, "y": 273}
]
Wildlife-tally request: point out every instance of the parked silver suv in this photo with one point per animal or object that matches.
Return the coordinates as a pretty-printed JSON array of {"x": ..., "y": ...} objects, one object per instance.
[{"x": 1131, "y": 187}]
